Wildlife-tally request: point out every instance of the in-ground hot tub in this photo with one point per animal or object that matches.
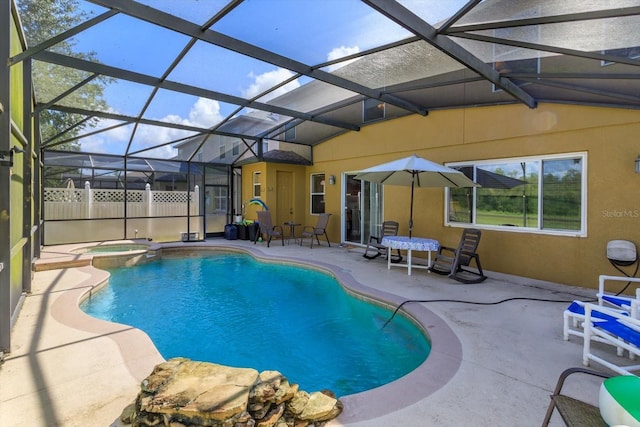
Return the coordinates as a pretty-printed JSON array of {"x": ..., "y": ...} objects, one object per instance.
[
  {"x": 110, "y": 248},
  {"x": 118, "y": 254}
]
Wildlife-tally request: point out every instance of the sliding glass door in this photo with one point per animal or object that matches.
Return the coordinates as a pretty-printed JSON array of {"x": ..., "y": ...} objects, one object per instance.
[{"x": 362, "y": 209}]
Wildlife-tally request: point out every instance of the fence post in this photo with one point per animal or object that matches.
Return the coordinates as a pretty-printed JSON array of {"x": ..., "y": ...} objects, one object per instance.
[
  {"x": 88, "y": 197},
  {"x": 147, "y": 194},
  {"x": 196, "y": 200}
]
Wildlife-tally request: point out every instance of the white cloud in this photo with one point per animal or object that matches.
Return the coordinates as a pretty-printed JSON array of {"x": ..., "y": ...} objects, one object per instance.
[
  {"x": 262, "y": 82},
  {"x": 110, "y": 141},
  {"x": 204, "y": 113},
  {"x": 341, "y": 52}
]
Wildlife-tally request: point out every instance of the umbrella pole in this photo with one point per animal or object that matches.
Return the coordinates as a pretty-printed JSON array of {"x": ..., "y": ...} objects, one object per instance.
[{"x": 411, "y": 209}]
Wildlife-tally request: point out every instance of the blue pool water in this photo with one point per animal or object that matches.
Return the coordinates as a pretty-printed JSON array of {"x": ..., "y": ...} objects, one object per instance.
[{"x": 234, "y": 310}]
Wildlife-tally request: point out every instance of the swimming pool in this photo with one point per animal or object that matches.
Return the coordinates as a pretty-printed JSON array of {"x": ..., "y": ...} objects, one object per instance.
[{"x": 234, "y": 310}]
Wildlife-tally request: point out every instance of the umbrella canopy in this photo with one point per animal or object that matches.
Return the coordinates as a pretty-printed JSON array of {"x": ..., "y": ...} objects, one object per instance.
[{"x": 415, "y": 171}]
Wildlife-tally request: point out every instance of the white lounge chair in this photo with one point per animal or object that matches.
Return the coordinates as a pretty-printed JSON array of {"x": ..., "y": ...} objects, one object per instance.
[
  {"x": 619, "y": 330},
  {"x": 626, "y": 303},
  {"x": 574, "y": 314}
]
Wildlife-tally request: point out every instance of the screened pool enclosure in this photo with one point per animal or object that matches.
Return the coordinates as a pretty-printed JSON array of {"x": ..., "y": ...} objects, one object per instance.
[
  {"x": 189, "y": 91},
  {"x": 124, "y": 119}
]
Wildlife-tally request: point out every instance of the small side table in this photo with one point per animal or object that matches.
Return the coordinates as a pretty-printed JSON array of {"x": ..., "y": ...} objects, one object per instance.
[{"x": 292, "y": 231}]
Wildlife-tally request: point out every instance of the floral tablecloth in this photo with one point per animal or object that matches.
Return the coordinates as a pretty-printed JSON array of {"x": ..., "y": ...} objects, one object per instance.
[{"x": 413, "y": 243}]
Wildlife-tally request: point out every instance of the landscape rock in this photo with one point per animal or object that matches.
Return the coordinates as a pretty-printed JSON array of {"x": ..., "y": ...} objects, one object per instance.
[
  {"x": 181, "y": 392},
  {"x": 319, "y": 407}
]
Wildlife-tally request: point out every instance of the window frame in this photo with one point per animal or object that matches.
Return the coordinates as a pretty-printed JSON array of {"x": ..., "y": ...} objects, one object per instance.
[
  {"x": 220, "y": 198},
  {"x": 321, "y": 184},
  {"x": 373, "y": 110},
  {"x": 290, "y": 133},
  {"x": 631, "y": 52},
  {"x": 582, "y": 232},
  {"x": 257, "y": 184}
]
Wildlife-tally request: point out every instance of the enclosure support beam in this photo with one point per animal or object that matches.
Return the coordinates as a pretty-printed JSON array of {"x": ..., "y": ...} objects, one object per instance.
[
  {"x": 27, "y": 183},
  {"x": 404, "y": 17},
  {"x": 5, "y": 178}
]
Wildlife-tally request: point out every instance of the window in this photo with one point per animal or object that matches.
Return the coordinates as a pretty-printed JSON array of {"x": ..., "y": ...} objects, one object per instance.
[
  {"x": 372, "y": 109},
  {"x": 220, "y": 199},
  {"x": 290, "y": 134},
  {"x": 223, "y": 153},
  {"x": 625, "y": 52},
  {"x": 236, "y": 148},
  {"x": 545, "y": 194},
  {"x": 216, "y": 199},
  {"x": 256, "y": 184},
  {"x": 317, "y": 193}
]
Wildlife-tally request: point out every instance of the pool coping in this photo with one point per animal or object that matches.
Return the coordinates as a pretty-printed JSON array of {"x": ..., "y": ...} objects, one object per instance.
[{"x": 137, "y": 349}]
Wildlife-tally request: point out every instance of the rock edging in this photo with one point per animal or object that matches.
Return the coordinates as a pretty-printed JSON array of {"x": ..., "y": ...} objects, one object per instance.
[{"x": 181, "y": 392}]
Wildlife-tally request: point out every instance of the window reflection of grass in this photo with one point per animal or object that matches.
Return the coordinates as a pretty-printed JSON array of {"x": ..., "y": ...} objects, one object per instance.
[
  {"x": 517, "y": 220},
  {"x": 505, "y": 218}
]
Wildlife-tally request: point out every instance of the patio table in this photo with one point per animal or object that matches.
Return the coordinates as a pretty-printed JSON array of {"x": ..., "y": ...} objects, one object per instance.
[{"x": 410, "y": 244}]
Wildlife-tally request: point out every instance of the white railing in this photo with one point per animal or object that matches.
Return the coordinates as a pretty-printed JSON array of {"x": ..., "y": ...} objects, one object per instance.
[{"x": 72, "y": 203}]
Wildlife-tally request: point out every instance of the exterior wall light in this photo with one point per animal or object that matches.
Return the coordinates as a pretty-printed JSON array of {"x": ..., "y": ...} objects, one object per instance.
[
  {"x": 332, "y": 178},
  {"x": 638, "y": 164},
  {"x": 6, "y": 157}
]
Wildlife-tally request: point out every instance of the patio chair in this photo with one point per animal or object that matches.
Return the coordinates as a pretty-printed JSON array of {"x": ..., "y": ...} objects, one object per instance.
[
  {"x": 574, "y": 412},
  {"x": 319, "y": 229},
  {"x": 456, "y": 263},
  {"x": 375, "y": 248},
  {"x": 267, "y": 228},
  {"x": 573, "y": 315},
  {"x": 619, "y": 330}
]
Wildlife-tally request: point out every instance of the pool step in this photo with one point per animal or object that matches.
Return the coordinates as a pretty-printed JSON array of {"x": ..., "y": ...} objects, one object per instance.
[{"x": 61, "y": 262}]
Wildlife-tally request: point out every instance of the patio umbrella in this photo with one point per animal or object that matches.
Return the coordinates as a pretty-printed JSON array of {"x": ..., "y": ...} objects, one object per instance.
[{"x": 416, "y": 172}]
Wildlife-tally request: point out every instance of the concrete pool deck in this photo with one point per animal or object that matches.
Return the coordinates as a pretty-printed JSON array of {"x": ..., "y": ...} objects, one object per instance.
[{"x": 68, "y": 369}]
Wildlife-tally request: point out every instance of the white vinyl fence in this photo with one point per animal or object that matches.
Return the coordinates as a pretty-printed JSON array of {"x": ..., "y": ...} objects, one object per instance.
[{"x": 88, "y": 203}]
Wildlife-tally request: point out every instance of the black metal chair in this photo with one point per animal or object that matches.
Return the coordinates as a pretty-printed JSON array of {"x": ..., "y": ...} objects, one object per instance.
[
  {"x": 456, "y": 263},
  {"x": 267, "y": 228},
  {"x": 375, "y": 248},
  {"x": 574, "y": 412}
]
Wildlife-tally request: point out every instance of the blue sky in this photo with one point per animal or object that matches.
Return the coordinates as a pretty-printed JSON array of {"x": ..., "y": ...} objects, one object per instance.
[{"x": 308, "y": 31}]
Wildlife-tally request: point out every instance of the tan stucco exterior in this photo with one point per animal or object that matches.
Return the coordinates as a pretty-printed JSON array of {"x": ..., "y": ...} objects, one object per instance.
[
  {"x": 608, "y": 136},
  {"x": 268, "y": 176}
]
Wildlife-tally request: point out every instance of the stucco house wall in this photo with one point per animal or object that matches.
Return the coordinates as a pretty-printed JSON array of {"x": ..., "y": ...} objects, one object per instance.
[
  {"x": 268, "y": 177},
  {"x": 609, "y": 136}
]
